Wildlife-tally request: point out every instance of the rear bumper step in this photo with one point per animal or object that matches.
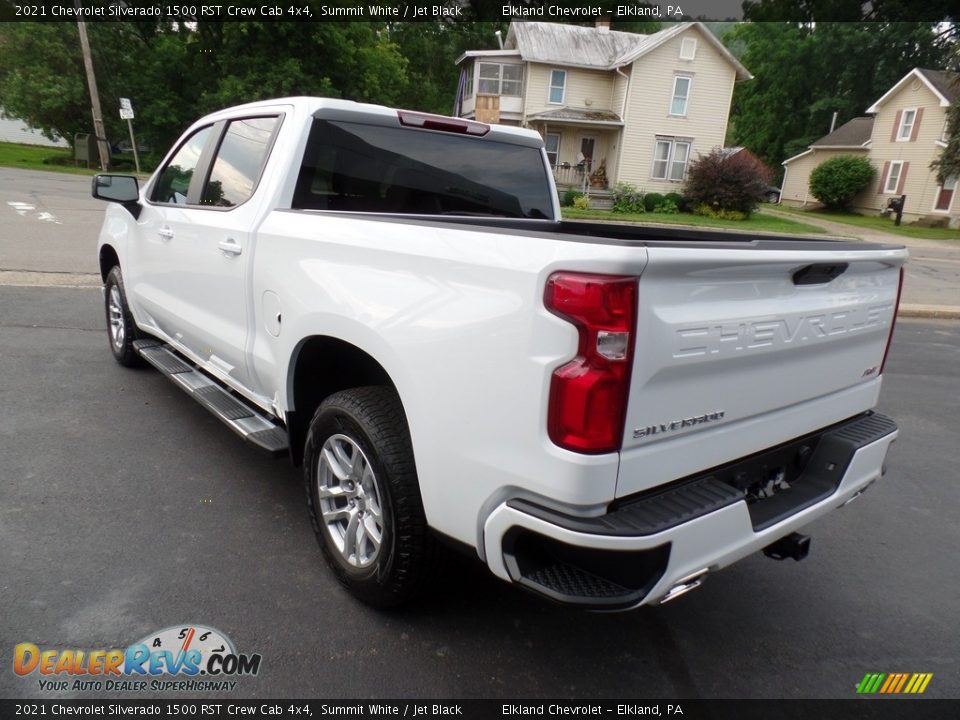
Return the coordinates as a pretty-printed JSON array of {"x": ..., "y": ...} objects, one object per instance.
[
  {"x": 251, "y": 425},
  {"x": 632, "y": 553}
]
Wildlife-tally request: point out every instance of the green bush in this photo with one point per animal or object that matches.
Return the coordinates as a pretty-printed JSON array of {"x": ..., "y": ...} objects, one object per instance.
[
  {"x": 707, "y": 211},
  {"x": 627, "y": 199},
  {"x": 727, "y": 182},
  {"x": 730, "y": 215},
  {"x": 835, "y": 182},
  {"x": 704, "y": 210},
  {"x": 581, "y": 202},
  {"x": 675, "y": 198},
  {"x": 651, "y": 200},
  {"x": 570, "y": 197},
  {"x": 668, "y": 207}
]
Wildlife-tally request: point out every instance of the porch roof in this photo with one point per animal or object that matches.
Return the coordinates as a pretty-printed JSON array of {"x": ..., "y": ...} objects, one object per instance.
[{"x": 578, "y": 116}]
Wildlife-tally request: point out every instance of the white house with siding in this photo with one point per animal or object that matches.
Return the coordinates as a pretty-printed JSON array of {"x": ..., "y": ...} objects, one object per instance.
[
  {"x": 640, "y": 106},
  {"x": 17, "y": 131},
  {"x": 906, "y": 130}
]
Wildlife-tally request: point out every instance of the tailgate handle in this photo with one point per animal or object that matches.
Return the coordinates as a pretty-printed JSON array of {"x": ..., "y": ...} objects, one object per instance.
[{"x": 819, "y": 273}]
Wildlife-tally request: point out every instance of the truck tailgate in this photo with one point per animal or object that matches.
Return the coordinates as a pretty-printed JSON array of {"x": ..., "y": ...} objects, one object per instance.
[{"x": 748, "y": 337}]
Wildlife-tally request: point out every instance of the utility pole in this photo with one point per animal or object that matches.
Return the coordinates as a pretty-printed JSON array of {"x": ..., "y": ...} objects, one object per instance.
[{"x": 98, "y": 129}]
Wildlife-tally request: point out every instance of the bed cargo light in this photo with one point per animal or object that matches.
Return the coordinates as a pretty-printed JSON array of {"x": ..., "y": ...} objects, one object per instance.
[{"x": 588, "y": 395}]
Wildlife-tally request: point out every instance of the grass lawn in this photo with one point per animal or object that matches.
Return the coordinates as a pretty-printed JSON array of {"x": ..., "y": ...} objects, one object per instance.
[
  {"x": 873, "y": 222},
  {"x": 757, "y": 222},
  {"x": 37, "y": 157}
]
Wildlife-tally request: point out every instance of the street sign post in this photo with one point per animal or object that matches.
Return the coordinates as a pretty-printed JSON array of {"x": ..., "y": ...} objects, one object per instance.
[{"x": 126, "y": 113}]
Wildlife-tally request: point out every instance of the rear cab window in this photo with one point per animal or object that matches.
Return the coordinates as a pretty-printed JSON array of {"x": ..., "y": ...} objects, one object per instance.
[{"x": 358, "y": 167}]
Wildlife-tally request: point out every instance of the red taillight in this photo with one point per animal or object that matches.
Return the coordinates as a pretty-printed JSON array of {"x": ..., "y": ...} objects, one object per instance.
[
  {"x": 440, "y": 122},
  {"x": 588, "y": 395},
  {"x": 893, "y": 322}
]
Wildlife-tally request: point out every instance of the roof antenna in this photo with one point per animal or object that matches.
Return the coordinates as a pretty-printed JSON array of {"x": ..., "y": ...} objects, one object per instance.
[{"x": 499, "y": 38}]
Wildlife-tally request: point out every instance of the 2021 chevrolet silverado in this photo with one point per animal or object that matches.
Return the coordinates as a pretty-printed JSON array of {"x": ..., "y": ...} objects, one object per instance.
[{"x": 604, "y": 414}]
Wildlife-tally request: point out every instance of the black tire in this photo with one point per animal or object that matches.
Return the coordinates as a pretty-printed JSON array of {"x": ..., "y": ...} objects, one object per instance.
[
  {"x": 371, "y": 420},
  {"x": 773, "y": 197},
  {"x": 121, "y": 335}
]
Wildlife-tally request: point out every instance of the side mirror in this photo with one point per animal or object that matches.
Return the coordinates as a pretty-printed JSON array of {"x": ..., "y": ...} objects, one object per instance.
[{"x": 122, "y": 189}]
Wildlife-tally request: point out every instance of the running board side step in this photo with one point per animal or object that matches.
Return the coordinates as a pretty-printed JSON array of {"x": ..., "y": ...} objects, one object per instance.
[{"x": 248, "y": 423}]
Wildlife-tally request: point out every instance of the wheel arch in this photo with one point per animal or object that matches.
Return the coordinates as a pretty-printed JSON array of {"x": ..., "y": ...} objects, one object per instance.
[
  {"x": 321, "y": 365},
  {"x": 108, "y": 260}
]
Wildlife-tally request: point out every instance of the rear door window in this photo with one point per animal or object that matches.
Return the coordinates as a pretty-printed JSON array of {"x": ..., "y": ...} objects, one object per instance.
[
  {"x": 239, "y": 162},
  {"x": 373, "y": 168}
]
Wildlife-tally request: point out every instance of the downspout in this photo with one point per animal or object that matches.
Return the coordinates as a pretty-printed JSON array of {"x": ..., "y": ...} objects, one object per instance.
[
  {"x": 783, "y": 183},
  {"x": 623, "y": 116}
]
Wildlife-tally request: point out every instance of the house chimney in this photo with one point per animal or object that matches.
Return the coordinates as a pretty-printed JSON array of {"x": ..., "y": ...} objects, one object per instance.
[{"x": 603, "y": 25}]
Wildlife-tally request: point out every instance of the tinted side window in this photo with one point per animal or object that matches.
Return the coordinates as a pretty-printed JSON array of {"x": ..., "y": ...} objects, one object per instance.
[
  {"x": 239, "y": 161},
  {"x": 372, "y": 168},
  {"x": 174, "y": 181}
]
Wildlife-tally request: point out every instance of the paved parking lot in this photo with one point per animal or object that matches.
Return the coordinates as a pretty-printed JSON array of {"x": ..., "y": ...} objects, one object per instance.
[{"x": 125, "y": 508}]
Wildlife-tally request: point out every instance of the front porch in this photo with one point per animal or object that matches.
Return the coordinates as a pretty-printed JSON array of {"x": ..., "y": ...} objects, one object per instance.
[{"x": 582, "y": 147}]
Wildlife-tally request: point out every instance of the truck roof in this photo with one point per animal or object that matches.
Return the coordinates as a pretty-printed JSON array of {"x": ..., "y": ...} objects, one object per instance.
[{"x": 313, "y": 105}]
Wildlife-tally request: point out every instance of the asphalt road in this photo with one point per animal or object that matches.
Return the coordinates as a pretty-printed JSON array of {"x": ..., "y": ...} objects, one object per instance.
[
  {"x": 125, "y": 508},
  {"x": 48, "y": 222}
]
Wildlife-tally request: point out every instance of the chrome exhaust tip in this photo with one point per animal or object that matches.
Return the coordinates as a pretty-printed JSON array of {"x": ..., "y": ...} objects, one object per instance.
[
  {"x": 690, "y": 582},
  {"x": 857, "y": 494}
]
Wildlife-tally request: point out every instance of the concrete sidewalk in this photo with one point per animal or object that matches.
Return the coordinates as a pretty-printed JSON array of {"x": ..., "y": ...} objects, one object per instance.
[{"x": 931, "y": 286}]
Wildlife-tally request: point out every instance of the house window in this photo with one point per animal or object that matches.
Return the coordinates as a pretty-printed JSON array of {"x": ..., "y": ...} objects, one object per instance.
[
  {"x": 497, "y": 79},
  {"x": 468, "y": 82},
  {"x": 945, "y": 195},
  {"x": 907, "y": 119},
  {"x": 893, "y": 177},
  {"x": 552, "y": 143},
  {"x": 558, "y": 86},
  {"x": 681, "y": 94},
  {"x": 946, "y": 130},
  {"x": 670, "y": 157},
  {"x": 688, "y": 49}
]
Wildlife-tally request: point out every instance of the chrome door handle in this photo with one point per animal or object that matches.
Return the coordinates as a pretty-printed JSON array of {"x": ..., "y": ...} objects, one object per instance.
[
  {"x": 229, "y": 247},
  {"x": 165, "y": 233}
]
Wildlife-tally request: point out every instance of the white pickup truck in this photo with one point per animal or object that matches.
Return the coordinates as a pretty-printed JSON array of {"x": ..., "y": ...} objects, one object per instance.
[{"x": 602, "y": 413}]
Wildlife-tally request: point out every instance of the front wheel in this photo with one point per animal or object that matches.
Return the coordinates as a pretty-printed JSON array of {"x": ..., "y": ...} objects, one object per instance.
[
  {"x": 121, "y": 328},
  {"x": 364, "y": 496}
]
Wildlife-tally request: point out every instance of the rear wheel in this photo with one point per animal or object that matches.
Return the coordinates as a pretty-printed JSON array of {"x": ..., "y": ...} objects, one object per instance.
[
  {"x": 364, "y": 496},
  {"x": 121, "y": 329}
]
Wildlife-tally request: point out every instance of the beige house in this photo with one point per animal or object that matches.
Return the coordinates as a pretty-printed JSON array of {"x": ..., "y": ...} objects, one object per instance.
[
  {"x": 904, "y": 134},
  {"x": 639, "y": 107}
]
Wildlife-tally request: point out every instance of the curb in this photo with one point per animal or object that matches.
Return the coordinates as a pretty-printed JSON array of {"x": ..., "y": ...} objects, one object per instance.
[{"x": 934, "y": 312}]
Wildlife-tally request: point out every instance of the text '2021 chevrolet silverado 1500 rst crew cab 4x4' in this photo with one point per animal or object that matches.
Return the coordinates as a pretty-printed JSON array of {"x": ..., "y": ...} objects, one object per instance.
[{"x": 603, "y": 414}]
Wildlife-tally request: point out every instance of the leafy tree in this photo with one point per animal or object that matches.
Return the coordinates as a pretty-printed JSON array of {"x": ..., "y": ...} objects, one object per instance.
[
  {"x": 835, "y": 182},
  {"x": 49, "y": 94},
  {"x": 948, "y": 164},
  {"x": 804, "y": 72},
  {"x": 727, "y": 182}
]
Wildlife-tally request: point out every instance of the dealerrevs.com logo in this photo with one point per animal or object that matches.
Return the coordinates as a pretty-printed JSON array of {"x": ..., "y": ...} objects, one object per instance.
[{"x": 196, "y": 656}]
